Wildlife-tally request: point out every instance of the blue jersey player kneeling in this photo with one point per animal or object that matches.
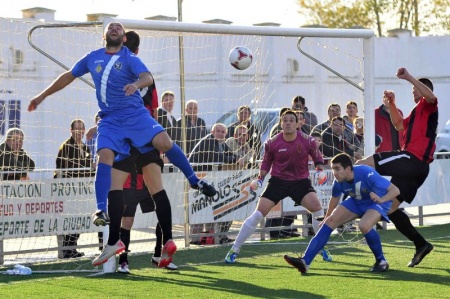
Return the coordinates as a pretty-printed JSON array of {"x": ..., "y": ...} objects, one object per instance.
[{"x": 369, "y": 198}]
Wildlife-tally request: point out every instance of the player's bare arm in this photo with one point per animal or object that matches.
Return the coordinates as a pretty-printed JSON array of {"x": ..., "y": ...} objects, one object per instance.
[
  {"x": 396, "y": 117},
  {"x": 403, "y": 73},
  {"x": 332, "y": 204},
  {"x": 62, "y": 81},
  {"x": 392, "y": 192},
  {"x": 91, "y": 133},
  {"x": 145, "y": 79}
]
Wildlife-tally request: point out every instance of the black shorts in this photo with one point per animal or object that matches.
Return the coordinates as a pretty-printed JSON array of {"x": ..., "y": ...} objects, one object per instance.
[
  {"x": 278, "y": 189},
  {"x": 134, "y": 197},
  {"x": 140, "y": 160},
  {"x": 407, "y": 172}
]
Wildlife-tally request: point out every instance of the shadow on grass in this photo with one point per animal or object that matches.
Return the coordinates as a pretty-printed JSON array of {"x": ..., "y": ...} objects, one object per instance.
[
  {"x": 195, "y": 280},
  {"x": 358, "y": 271}
]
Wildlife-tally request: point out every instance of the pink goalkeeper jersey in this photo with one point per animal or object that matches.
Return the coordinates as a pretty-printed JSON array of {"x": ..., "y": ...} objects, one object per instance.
[{"x": 289, "y": 160}]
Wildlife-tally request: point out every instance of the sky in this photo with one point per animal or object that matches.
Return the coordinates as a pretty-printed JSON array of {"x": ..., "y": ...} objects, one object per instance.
[{"x": 239, "y": 12}]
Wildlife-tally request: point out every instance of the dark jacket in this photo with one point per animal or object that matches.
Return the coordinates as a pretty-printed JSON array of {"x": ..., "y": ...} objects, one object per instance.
[
  {"x": 71, "y": 155},
  {"x": 333, "y": 144},
  {"x": 193, "y": 132},
  {"x": 172, "y": 130},
  {"x": 11, "y": 162},
  {"x": 310, "y": 122},
  {"x": 254, "y": 139},
  {"x": 207, "y": 151}
]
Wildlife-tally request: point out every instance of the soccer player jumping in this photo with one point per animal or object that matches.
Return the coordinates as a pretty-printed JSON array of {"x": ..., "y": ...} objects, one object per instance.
[
  {"x": 409, "y": 167},
  {"x": 118, "y": 76}
]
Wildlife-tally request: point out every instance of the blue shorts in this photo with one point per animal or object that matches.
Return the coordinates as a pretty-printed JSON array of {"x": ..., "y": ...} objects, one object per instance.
[
  {"x": 360, "y": 207},
  {"x": 118, "y": 130}
]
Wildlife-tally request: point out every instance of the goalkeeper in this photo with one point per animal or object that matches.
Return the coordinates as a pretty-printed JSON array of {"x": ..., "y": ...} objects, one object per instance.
[{"x": 286, "y": 157}]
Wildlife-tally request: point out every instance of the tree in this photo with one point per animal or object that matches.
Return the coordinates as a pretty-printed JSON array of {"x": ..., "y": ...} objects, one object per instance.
[{"x": 430, "y": 16}]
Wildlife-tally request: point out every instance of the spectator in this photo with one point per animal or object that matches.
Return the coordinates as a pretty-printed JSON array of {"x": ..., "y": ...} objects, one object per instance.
[
  {"x": 334, "y": 142},
  {"x": 298, "y": 103},
  {"x": 166, "y": 118},
  {"x": 352, "y": 114},
  {"x": 238, "y": 144},
  {"x": 390, "y": 137},
  {"x": 212, "y": 149},
  {"x": 73, "y": 154},
  {"x": 318, "y": 138},
  {"x": 195, "y": 126},
  {"x": 244, "y": 115},
  {"x": 358, "y": 131},
  {"x": 358, "y": 125},
  {"x": 13, "y": 157},
  {"x": 333, "y": 111}
]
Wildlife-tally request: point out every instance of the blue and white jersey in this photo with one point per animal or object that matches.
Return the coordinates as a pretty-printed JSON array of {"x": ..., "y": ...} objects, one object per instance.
[
  {"x": 365, "y": 180},
  {"x": 120, "y": 68}
]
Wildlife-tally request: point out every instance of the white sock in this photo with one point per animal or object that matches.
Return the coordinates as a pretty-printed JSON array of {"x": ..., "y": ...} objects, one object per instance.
[
  {"x": 315, "y": 223},
  {"x": 247, "y": 229}
]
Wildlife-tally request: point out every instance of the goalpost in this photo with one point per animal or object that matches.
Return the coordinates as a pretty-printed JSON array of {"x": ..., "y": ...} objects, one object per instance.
[{"x": 192, "y": 61}]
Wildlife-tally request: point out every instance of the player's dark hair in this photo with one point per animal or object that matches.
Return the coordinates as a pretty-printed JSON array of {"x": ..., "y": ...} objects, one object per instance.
[
  {"x": 133, "y": 41},
  {"x": 290, "y": 111},
  {"x": 343, "y": 159},
  {"x": 427, "y": 82}
]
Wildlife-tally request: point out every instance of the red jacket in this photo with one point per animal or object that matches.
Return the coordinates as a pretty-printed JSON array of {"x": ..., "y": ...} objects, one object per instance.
[{"x": 391, "y": 138}]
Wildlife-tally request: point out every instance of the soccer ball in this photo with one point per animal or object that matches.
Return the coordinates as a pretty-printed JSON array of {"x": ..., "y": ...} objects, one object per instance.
[{"x": 240, "y": 58}]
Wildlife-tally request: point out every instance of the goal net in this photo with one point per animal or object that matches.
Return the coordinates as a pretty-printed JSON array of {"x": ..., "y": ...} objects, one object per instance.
[{"x": 192, "y": 61}]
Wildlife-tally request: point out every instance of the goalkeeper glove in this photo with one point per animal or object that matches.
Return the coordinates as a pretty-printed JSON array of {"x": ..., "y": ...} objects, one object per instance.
[{"x": 256, "y": 184}]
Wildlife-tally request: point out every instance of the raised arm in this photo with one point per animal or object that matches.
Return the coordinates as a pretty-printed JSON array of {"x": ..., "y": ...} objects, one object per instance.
[
  {"x": 396, "y": 117},
  {"x": 62, "y": 81},
  {"x": 427, "y": 93}
]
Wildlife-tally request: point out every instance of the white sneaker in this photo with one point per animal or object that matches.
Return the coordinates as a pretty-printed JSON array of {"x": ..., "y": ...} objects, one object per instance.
[
  {"x": 171, "y": 266},
  {"x": 123, "y": 268},
  {"x": 108, "y": 251}
]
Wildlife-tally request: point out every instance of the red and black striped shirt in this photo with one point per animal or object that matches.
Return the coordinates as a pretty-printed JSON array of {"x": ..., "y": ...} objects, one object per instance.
[{"x": 420, "y": 128}]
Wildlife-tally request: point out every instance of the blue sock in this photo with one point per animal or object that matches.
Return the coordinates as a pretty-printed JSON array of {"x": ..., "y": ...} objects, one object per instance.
[
  {"x": 317, "y": 243},
  {"x": 102, "y": 185},
  {"x": 374, "y": 242},
  {"x": 177, "y": 158}
]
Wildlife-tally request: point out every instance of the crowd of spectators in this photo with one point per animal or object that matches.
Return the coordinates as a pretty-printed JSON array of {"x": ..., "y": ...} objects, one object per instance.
[{"x": 237, "y": 146}]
